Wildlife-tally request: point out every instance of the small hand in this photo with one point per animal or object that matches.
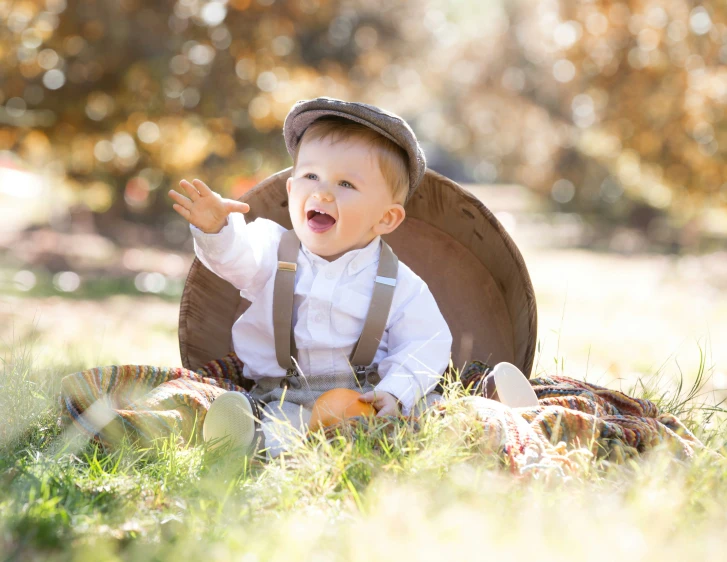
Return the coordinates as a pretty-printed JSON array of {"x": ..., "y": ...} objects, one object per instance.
[
  {"x": 384, "y": 403},
  {"x": 205, "y": 209}
]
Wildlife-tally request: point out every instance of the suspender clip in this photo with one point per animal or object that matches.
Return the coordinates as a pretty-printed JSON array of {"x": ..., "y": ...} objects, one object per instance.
[
  {"x": 291, "y": 379},
  {"x": 368, "y": 374},
  {"x": 391, "y": 281},
  {"x": 287, "y": 266}
]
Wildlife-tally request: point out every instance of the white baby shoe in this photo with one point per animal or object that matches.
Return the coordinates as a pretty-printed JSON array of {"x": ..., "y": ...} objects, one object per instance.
[
  {"x": 233, "y": 414},
  {"x": 513, "y": 388}
]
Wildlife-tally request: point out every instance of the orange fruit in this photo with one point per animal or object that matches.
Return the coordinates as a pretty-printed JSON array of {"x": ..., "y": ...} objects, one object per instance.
[{"x": 336, "y": 405}]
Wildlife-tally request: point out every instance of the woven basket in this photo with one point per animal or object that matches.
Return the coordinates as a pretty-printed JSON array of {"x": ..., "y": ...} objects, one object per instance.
[{"x": 449, "y": 238}]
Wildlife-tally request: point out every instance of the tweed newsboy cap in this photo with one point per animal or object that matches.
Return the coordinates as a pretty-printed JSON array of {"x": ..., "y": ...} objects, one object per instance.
[{"x": 393, "y": 127}]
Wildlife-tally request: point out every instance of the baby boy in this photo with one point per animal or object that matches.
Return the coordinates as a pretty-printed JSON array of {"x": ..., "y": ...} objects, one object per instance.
[{"x": 354, "y": 168}]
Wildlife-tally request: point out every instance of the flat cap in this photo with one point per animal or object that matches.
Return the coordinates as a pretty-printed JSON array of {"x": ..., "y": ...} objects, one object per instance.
[{"x": 393, "y": 127}]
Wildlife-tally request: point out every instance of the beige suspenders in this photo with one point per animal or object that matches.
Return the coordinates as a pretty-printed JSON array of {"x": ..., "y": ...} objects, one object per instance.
[
  {"x": 283, "y": 294},
  {"x": 374, "y": 325}
]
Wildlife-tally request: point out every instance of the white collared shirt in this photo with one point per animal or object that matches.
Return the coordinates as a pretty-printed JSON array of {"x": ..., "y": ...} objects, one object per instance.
[{"x": 330, "y": 306}]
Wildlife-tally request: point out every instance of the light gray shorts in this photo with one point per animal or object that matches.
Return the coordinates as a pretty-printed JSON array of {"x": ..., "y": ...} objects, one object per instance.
[{"x": 287, "y": 411}]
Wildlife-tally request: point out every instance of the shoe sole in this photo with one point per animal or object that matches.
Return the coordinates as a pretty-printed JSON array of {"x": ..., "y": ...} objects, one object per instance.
[
  {"x": 513, "y": 388},
  {"x": 231, "y": 414}
]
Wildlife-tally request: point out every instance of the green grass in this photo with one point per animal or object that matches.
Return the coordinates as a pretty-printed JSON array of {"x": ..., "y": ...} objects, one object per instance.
[{"x": 429, "y": 495}]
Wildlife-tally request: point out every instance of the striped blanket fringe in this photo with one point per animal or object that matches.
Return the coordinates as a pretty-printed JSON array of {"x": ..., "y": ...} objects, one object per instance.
[{"x": 572, "y": 417}]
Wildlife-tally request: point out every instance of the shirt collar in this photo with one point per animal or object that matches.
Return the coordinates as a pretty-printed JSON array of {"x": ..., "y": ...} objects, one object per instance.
[{"x": 353, "y": 260}]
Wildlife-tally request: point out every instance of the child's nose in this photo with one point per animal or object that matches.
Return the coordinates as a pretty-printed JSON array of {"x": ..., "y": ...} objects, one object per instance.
[{"x": 322, "y": 193}]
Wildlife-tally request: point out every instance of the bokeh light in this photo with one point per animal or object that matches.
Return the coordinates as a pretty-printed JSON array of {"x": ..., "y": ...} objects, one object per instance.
[
  {"x": 150, "y": 282},
  {"x": 54, "y": 79},
  {"x": 67, "y": 281},
  {"x": 563, "y": 191},
  {"x": 24, "y": 280}
]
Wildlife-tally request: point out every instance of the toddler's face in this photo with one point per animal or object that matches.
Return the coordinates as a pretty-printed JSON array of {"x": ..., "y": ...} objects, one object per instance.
[{"x": 344, "y": 181}]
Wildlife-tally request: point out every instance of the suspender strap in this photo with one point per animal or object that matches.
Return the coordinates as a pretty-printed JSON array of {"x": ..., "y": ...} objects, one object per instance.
[
  {"x": 375, "y": 323},
  {"x": 284, "y": 291},
  {"x": 365, "y": 349}
]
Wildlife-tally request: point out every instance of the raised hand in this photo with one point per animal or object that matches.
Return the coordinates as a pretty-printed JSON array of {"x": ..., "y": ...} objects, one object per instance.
[{"x": 204, "y": 208}]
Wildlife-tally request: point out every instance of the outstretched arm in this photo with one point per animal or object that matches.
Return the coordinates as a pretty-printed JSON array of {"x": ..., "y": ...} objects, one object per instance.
[{"x": 238, "y": 252}]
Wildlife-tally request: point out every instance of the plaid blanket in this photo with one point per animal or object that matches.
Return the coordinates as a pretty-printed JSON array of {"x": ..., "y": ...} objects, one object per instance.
[
  {"x": 575, "y": 416},
  {"x": 147, "y": 402}
]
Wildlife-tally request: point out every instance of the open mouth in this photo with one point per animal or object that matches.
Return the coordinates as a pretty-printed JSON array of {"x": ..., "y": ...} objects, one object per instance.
[{"x": 319, "y": 221}]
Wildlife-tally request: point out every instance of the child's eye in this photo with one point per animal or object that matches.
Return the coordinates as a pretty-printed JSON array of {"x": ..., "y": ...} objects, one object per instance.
[{"x": 311, "y": 175}]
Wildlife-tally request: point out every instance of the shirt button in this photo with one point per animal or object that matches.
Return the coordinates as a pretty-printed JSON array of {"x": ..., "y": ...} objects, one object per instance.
[
  {"x": 330, "y": 275},
  {"x": 319, "y": 317}
]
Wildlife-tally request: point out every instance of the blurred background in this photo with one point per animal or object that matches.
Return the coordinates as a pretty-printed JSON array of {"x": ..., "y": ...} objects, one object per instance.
[{"x": 596, "y": 130}]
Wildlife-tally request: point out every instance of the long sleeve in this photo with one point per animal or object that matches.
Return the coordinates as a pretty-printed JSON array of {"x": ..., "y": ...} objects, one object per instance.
[
  {"x": 420, "y": 344},
  {"x": 244, "y": 254}
]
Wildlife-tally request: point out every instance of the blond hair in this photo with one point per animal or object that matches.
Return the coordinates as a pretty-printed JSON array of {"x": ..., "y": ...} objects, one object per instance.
[{"x": 393, "y": 160}]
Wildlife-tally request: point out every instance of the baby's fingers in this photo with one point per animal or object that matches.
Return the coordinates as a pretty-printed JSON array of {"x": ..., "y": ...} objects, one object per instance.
[
  {"x": 183, "y": 206},
  {"x": 182, "y": 211},
  {"x": 202, "y": 187},
  {"x": 232, "y": 206},
  {"x": 368, "y": 397},
  {"x": 180, "y": 199},
  {"x": 190, "y": 189},
  {"x": 389, "y": 410}
]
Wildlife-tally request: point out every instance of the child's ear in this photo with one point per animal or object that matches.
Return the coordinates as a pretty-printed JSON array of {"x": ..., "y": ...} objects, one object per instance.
[
  {"x": 289, "y": 184},
  {"x": 392, "y": 218}
]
